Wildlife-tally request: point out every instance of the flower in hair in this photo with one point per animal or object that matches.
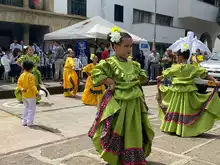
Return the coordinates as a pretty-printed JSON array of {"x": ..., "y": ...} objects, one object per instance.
[
  {"x": 115, "y": 29},
  {"x": 115, "y": 37},
  {"x": 184, "y": 47}
]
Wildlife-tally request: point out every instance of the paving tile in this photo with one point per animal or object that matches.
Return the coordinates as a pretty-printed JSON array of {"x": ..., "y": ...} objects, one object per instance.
[
  {"x": 67, "y": 148},
  {"x": 209, "y": 152},
  {"x": 21, "y": 159}
]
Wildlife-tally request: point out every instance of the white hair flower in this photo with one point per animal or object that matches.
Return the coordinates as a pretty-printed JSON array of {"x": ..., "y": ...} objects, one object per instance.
[
  {"x": 184, "y": 47},
  {"x": 115, "y": 37}
]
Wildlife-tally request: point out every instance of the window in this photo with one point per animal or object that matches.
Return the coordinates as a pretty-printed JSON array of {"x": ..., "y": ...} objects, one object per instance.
[
  {"x": 119, "y": 13},
  {"x": 13, "y": 3},
  {"x": 211, "y": 2},
  {"x": 164, "y": 20},
  {"x": 141, "y": 16},
  {"x": 77, "y": 7}
]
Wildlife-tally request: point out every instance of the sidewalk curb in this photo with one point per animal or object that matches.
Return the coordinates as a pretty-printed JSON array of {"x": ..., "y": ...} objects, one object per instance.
[{"x": 8, "y": 94}]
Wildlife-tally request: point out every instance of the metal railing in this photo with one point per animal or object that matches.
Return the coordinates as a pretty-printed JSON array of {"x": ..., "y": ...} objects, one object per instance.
[{"x": 18, "y": 3}]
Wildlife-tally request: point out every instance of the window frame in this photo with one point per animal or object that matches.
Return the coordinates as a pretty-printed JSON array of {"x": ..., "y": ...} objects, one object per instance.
[
  {"x": 116, "y": 17},
  {"x": 141, "y": 16},
  {"x": 71, "y": 7},
  {"x": 159, "y": 22}
]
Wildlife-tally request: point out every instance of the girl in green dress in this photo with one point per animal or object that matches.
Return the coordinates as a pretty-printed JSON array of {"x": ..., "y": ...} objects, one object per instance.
[
  {"x": 121, "y": 133},
  {"x": 182, "y": 110},
  {"x": 30, "y": 56}
]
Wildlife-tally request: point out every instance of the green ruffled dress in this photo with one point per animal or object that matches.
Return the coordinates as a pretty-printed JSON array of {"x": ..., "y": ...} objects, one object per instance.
[
  {"x": 182, "y": 109},
  {"x": 122, "y": 133},
  {"x": 38, "y": 78}
]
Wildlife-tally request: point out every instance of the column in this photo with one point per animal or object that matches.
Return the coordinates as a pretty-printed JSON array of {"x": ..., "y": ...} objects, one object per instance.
[
  {"x": 49, "y": 5},
  {"x": 26, "y": 3},
  {"x": 26, "y": 34}
]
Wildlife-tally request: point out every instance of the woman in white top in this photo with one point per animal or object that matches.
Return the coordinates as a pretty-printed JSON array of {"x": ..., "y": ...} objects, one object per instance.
[{"x": 6, "y": 63}]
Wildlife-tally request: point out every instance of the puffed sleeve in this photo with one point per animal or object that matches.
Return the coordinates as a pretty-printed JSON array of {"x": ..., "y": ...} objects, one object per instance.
[
  {"x": 102, "y": 71},
  {"x": 21, "y": 59},
  {"x": 37, "y": 59},
  {"x": 87, "y": 69},
  {"x": 141, "y": 72},
  {"x": 201, "y": 72},
  {"x": 172, "y": 70},
  {"x": 167, "y": 73},
  {"x": 69, "y": 63}
]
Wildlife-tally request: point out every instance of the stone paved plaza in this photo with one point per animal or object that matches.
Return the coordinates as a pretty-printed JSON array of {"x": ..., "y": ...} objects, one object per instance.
[{"x": 60, "y": 137}]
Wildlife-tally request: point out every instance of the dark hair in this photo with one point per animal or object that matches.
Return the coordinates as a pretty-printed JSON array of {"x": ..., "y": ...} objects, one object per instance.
[
  {"x": 15, "y": 52},
  {"x": 28, "y": 65},
  {"x": 123, "y": 35},
  {"x": 185, "y": 54}
]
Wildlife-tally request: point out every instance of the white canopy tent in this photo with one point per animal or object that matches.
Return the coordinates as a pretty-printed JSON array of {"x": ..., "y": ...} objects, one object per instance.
[{"x": 93, "y": 28}]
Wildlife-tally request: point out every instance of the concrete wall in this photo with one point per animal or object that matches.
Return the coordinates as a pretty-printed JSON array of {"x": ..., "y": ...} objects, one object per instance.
[
  {"x": 60, "y": 6},
  {"x": 197, "y": 9}
]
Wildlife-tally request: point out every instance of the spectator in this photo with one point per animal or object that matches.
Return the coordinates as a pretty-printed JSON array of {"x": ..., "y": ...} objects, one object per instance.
[
  {"x": 15, "y": 45},
  {"x": 59, "y": 61},
  {"x": 36, "y": 49},
  {"x": 15, "y": 68},
  {"x": 48, "y": 66},
  {"x": 99, "y": 51},
  {"x": 78, "y": 65},
  {"x": 206, "y": 56},
  {"x": 22, "y": 45},
  {"x": 105, "y": 54},
  {"x": 42, "y": 64},
  {"x": 154, "y": 60},
  {"x": 2, "y": 53},
  {"x": 168, "y": 59},
  {"x": 5, "y": 61},
  {"x": 140, "y": 58}
]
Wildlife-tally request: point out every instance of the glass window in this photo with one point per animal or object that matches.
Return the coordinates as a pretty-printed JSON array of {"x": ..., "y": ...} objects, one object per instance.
[
  {"x": 12, "y": 2},
  {"x": 119, "y": 13},
  {"x": 164, "y": 20},
  {"x": 141, "y": 16},
  {"x": 77, "y": 7}
]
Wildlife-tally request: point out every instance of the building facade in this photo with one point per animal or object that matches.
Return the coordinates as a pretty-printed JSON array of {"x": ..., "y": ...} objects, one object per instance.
[
  {"x": 173, "y": 17},
  {"x": 29, "y": 20}
]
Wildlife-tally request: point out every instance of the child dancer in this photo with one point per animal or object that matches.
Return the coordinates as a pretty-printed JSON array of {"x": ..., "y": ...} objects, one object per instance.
[
  {"x": 70, "y": 78},
  {"x": 26, "y": 84},
  {"x": 30, "y": 56},
  {"x": 91, "y": 94},
  {"x": 182, "y": 110},
  {"x": 121, "y": 133}
]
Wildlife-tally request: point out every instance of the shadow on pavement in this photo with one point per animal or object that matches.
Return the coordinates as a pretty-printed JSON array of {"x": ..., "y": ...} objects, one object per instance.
[
  {"x": 44, "y": 128},
  {"x": 208, "y": 136},
  {"x": 45, "y": 104}
]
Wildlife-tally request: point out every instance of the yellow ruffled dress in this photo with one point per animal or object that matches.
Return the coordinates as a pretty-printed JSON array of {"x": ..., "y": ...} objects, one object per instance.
[
  {"x": 91, "y": 94},
  {"x": 70, "y": 78}
]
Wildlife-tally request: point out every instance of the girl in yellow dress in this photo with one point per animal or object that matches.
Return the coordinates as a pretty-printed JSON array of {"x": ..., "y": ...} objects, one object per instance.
[
  {"x": 70, "y": 77},
  {"x": 91, "y": 95}
]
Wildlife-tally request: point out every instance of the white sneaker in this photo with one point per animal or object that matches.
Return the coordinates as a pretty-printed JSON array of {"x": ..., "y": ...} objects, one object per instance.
[{"x": 24, "y": 123}]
